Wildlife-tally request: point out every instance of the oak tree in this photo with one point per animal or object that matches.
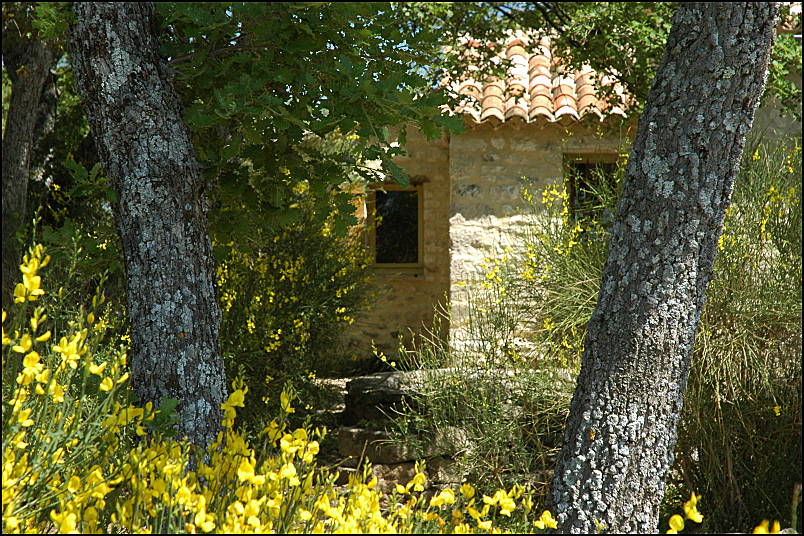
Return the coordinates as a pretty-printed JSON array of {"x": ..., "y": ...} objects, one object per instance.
[
  {"x": 256, "y": 97},
  {"x": 621, "y": 433},
  {"x": 136, "y": 120},
  {"x": 27, "y": 59}
]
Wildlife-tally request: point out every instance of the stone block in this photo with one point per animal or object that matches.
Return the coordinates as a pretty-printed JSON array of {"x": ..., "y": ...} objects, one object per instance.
[
  {"x": 444, "y": 471},
  {"x": 470, "y": 144},
  {"x": 372, "y": 445},
  {"x": 498, "y": 142},
  {"x": 371, "y": 398},
  {"x": 467, "y": 190},
  {"x": 507, "y": 191},
  {"x": 388, "y": 476},
  {"x": 487, "y": 170}
]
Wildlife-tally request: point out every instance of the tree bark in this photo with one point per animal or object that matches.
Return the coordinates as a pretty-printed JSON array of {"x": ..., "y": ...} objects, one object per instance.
[
  {"x": 621, "y": 433},
  {"x": 135, "y": 118},
  {"x": 27, "y": 60}
]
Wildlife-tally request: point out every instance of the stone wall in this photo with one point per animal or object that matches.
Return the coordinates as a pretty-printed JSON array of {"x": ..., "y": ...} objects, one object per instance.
[
  {"x": 406, "y": 300},
  {"x": 489, "y": 164},
  {"x": 472, "y": 210},
  {"x": 471, "y": 194}
]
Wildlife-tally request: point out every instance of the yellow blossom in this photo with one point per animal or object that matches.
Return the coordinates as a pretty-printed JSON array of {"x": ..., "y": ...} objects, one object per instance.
[
  {"x": 676, "y": 524},
  {"x": 44, "y": 337},
  {"x": 19, "y": 293},
  {"x": 446, "y": 496},
  {"x": 546, "y": 520},
  {"x": 24, "y": 345},
  {"x": 74, "y": 484},
  {"x": 288, "y": 471},
  {"x": 11, "y": 523},
  {"x": 417, "y": 482},
  {"x": 691, "y": 509},
  {"x": 65, "y": 521},
  {"x": 245, "y": 471},
  {"x": 284, "y": 400},
  {"x": 23, "y": 419},
  {"x": 184, "y": 495},
  {"x": 763, "y": 528},
  {"x": 97, "y": 369}
]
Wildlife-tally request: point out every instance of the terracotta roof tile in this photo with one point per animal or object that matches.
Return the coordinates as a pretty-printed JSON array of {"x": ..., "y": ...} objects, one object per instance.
[
  {"x": 536, "y": 88},
  {"x": 792, "y": 23}
]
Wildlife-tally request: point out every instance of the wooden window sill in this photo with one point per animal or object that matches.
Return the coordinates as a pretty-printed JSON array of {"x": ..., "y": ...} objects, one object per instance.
[{"x": 384, "y": 271}]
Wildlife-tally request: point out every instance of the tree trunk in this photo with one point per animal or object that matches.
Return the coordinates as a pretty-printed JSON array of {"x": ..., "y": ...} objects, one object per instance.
[
  {"x": 621, "y": 433},
  {"x": 135, "y": 118},
  {"x": 27, "y": 61}
]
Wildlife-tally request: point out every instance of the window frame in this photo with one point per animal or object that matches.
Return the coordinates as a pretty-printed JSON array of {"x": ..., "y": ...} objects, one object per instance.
[{"x": 412, "y": 268}]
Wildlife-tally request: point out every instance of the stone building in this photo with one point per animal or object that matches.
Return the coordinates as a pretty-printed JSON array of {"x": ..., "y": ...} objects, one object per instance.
[
  {"x": 463, "y": 203},
  {"x": 530, "y": 130}
]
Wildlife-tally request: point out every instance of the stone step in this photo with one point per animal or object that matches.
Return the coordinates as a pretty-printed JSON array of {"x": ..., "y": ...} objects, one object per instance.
[{"x": 376, "y": 397}]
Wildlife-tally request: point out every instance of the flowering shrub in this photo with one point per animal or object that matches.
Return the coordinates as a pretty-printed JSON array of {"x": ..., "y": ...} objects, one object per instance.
[
  {"x": 691, "y": 512},
  {"x": 79, "y": 457},
  {"x": 482, "y": 384},
  {"x": 285, "y": 298},
  {"x": 561, "y": 264}
]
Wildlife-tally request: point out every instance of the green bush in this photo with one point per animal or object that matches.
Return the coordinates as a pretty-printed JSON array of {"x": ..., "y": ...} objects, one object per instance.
[
  {"x": 733, "y": 447},
  {"x": 285, "y": 299},
  {"x": 740, "y": 435},
  {"x": 483, "y": 394}
]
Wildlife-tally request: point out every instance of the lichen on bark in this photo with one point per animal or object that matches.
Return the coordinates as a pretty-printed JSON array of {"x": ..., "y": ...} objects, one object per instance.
[{"x": 136, "y": 121}]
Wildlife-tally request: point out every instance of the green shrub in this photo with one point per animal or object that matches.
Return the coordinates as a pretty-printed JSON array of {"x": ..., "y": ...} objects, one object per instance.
[
  {"x": 57, "y": 395},
  {"x": 504, "y": 415},
  {"x": 740, "y": 435},
  {"x": 74, "y": 222},
  {"x": 286, "y": 295},
  {"x": 78, "y": 456}
]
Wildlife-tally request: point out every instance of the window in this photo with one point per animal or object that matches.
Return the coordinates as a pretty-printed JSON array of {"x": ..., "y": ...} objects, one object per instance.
[
  {"x": 589, "y": 180},
  {"x": 395, "y": 223}
]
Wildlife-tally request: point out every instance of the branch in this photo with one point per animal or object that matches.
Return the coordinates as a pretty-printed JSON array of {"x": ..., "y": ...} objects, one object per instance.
[
  {"x": 560, "y": 13},
  {"x": 217, "y": 52},
  {"x": 544, "y": 8}
]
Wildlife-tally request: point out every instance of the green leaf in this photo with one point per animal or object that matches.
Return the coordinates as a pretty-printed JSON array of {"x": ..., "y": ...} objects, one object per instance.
[
  {"x": 399, "y": 176},
  {"x": 166, "y": 418},
  {"x": 196, "y": 119},
  {"x": 111, "y": 195},
  {"x": 77, "y": 171}
]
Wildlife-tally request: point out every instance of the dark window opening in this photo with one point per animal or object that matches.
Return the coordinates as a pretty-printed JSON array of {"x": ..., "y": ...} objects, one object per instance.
[
  {"x": 396, "y": 218},
  {"x": 591, "y": 186}
]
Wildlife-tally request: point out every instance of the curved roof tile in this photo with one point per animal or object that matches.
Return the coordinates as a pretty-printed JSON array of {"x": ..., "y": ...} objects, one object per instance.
[
  {"x": 792, "y": 22},
  {"x": 537, "y": 88}
]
